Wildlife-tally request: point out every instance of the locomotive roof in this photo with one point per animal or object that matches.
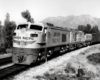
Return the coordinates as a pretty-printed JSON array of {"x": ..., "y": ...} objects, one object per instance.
[
  {"x": 32, "y": 23},
  {"x": 49, "y": 25}
]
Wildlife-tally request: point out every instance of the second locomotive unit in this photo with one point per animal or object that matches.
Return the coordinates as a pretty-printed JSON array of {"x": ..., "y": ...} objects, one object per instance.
[{"x": 30, "y": 41}]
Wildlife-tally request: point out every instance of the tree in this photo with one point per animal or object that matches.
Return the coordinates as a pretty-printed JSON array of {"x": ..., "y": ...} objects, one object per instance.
[
  {"x": 0, "y": 22},
  {"x": 85, "y": 29},
  {"x": 9, "y": 27},
  {"x": 27, "y": 16},
  {"x": 95, "y": 29},
  {"x": 7, "y": 17},
  {"x": 0, "y": 34},
  {"x": 88, "y": 28},
  {"x": 81, "y": 27}
]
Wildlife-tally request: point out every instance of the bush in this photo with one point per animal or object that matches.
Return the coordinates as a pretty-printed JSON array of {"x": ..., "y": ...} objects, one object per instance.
[
  {"x": 56, "y": 76},
  {"x": 9, "y": 50},
  {"x": 83, "y": 53},
  {"x": 2, "y": 50},
  {"x": 91, "y": 74},
  {"x": 94, "y": 58},
  {"x": 69, "y": 68}
]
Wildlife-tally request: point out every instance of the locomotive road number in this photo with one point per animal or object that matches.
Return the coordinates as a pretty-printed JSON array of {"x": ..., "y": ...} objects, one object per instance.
[{"x": 56, "y": 40}]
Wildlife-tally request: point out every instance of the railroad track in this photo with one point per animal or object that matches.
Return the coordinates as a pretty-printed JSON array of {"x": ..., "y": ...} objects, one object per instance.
[
  {"x": 4, "y": 61},
  {"x": 10, "y": 70}
]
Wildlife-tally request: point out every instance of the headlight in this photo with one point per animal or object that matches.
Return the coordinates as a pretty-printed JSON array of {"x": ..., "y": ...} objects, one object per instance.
[
  {"x": 34, "y": 35},
  {"x": 14, "y": 34}
]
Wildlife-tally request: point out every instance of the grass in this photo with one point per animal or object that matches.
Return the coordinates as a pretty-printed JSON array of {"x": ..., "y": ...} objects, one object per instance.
[
  {"x": 61, "y": 74},
  {"x": 94, "y": 58},
  {"x": 56, "y": 76}
]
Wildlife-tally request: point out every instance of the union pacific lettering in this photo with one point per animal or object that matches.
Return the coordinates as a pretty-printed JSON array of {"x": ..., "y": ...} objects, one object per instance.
[
  {"x": 24, "y": 38},
  {"x": 28, "y": 38},
  {"x": 16, "y": 37}
]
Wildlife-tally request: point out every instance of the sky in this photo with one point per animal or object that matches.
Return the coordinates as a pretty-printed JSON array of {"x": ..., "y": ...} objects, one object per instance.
[{"x": 41, "y": 9}]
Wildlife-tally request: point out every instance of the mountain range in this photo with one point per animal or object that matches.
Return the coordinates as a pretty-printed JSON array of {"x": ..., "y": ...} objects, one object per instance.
[{"x": 73, "y": 21}]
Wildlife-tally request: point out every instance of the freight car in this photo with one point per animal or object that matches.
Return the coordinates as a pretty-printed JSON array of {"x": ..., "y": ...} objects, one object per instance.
[{"x": 33, "y": 42}]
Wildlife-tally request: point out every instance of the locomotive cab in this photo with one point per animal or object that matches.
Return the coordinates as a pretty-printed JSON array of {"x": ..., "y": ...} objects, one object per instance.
[
  {"x": 27, "y": 41},
  {"x": 29, "y": 32}
]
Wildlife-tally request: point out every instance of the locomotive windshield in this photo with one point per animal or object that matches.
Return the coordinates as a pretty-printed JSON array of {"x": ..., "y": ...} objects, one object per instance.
[
  {"x": 36, "y": 27},
  {"x": 22, "y": 26}
]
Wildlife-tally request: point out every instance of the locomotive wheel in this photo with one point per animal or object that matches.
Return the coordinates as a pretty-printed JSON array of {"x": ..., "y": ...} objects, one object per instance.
[
  {"x": 86, "y": 43},
  {"x": 80, "y": 45},
  {"x": 50, "y": 52},
  {"x": 66, "y": 49},
  {"x": 71, "y": 47},
  {"x": 40, "y": 54},
  {"x": 89, "y": 43},
  {"x": 38, "y": 59},
  {"x": 43, "y": 56},
  {"x": 62, "y": 50}
]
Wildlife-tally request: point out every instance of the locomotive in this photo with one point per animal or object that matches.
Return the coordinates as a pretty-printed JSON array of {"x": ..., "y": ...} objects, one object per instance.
[{"x": 33, "y": 42}]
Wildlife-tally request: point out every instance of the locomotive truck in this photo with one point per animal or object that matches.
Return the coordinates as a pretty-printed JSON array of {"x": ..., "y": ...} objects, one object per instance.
[{"x": 31, "y": 40}]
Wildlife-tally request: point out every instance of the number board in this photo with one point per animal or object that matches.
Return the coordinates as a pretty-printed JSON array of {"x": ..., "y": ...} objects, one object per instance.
[{"x": 22, "y": 43}]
